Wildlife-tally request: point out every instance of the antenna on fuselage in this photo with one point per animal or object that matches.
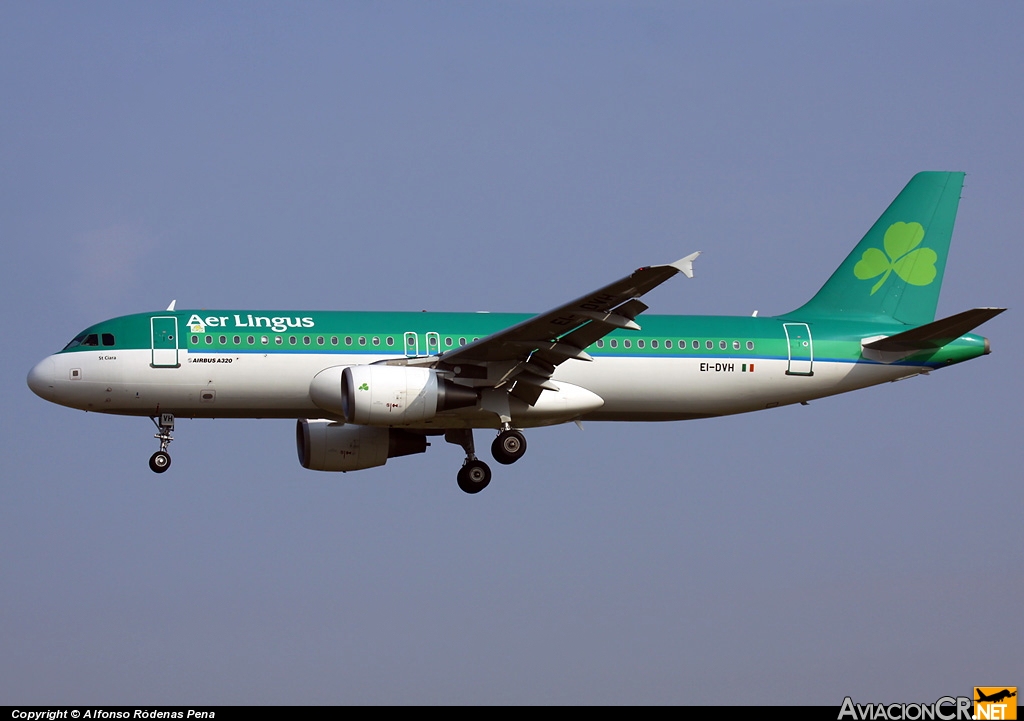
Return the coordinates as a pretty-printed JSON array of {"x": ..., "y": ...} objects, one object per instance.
[{"x": 171, "y": 306}]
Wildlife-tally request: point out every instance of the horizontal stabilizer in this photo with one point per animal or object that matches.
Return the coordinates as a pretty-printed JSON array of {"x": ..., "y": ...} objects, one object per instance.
[{"x": 935, "y": 334}]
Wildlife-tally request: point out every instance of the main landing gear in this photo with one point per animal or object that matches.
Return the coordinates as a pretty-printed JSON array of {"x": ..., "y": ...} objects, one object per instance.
[
  {"x": 161, "y": 460},
  {"x": 507, "y": 448}
]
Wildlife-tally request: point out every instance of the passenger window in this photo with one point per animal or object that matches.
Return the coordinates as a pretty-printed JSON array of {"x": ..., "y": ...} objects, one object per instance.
[
  {"x": 750, "y": 345},
  {"x": 448, "y": 342},
  {"x": 238, "y": 340},
  {"x": 391, "y": 341},
  {"x": 654, "y": 344},
  {"x": 319, "y": 340},
  {"x": 251, "y": 340},
  {"x": 735, "y": 345},
  {"x": 639, "y": 344},
  {"x": 223, "y": 340},
  {"x": 334, "y": 340},
  {"x": 722, "y": 345},
  {"x": 627, "y": 343},
  {"x": 375, "y": 340},
  {"x": 362, "y": 340},
  {"x": 600, "y": 344},
  {"x": 613, "y": 343},
  {"x": 668, "y": 344},
  {"x": 305, "y": 340},
  {"x": 293, "y": 340},
  {"x": 264, "y": 340},
  {"x": 462, "y": 341},
  {"x": 108, "y": 339},
  {"x": 348, "y": 340},
  {"x": 709, "y": 345},
  {"x": 195, "y": 340},
  {"x": 279, "y": 340},
  {"x": 209, "y": 340},
  {"x": 696, "y": 344}
]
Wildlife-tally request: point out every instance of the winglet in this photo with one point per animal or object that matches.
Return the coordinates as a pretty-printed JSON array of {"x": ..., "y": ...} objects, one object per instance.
[
  {"x": 685, "y": 265},
  {"x": 171, "y": 306}
]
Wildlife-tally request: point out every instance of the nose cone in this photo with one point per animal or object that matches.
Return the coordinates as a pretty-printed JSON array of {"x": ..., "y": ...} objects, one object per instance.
[{"x": 41, "y": 379}]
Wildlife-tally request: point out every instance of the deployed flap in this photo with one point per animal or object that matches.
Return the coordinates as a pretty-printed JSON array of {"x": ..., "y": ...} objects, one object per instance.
[{"x": 935, "y": 334}]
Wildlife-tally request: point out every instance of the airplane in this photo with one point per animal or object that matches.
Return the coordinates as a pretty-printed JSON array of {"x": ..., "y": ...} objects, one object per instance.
[
  {"x": 365, "y": 387},
  {"x": 996, "y": 697}
]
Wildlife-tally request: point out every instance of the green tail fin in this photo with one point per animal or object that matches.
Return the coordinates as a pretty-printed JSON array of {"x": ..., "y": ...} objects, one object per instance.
[{"x": 895, "y": 272}]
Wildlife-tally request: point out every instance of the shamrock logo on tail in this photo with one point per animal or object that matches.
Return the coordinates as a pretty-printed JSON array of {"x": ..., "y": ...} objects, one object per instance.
[{"x": 916, "y": 267}]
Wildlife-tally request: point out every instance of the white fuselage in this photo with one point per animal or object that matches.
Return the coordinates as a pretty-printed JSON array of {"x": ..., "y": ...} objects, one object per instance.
[{"x": 276, "y": 385}]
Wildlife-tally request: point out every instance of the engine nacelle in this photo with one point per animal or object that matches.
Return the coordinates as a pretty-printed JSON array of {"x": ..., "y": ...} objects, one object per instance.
[
  {"x": 329, "y": 446},
  {"x": 380, "y": 395}
]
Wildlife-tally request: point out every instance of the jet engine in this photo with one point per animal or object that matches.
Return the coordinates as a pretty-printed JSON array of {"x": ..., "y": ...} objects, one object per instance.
[
  {"x": 325, "y": 445},
  {"x": 380, "y": 395}
]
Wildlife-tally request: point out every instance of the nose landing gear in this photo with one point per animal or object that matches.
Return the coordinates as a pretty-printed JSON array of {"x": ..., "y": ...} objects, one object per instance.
[{"x": 161, "y": 460}]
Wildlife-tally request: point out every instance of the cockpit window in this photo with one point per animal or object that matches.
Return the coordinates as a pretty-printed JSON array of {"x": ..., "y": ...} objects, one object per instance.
[
  {"x": 90, "y": 339},
  {"x": 108, "y": 339}
]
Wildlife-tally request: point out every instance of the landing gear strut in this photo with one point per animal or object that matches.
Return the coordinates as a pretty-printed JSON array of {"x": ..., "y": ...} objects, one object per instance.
[
  {"x": 474, "y": 475},
  {"x": 509, "y": 446},
  {"x": 161, "y": 460}
]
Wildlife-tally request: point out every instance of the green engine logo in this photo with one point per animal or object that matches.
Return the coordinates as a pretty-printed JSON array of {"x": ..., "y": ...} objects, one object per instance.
[
  {"x": 916, "y": 267},
  {"x": 364, "y": 387}
]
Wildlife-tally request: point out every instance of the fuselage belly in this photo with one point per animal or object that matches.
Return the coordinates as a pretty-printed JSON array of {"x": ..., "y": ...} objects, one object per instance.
[{"x": 225, "y": 385}]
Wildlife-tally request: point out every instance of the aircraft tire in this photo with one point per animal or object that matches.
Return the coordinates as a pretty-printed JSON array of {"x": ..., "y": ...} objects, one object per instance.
[
  {"x": 508, "y": 447},
  {"x": 474, "y": 476},
  {"x": 159, "y": 462}
]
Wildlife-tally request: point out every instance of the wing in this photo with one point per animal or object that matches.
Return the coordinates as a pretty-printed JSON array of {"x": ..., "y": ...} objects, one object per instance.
[{"x": 522, "y": 358}]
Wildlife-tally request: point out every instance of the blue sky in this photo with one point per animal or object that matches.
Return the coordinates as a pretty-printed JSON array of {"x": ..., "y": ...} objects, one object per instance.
[{"x": 506, "y": 157}]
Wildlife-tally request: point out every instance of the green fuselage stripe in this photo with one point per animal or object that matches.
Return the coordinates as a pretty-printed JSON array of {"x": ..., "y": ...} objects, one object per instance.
[{"x": 353, "y": 333}]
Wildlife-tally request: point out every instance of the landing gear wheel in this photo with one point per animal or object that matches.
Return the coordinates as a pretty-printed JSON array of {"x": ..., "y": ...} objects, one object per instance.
[
  {"x": 474, "y": 476},
  {"x": 159, "y": 462},
  {"x": 508, "y": 447}
]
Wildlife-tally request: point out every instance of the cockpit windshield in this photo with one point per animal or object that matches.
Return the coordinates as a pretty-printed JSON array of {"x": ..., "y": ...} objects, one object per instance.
[{"x": 91, "y": 340}]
